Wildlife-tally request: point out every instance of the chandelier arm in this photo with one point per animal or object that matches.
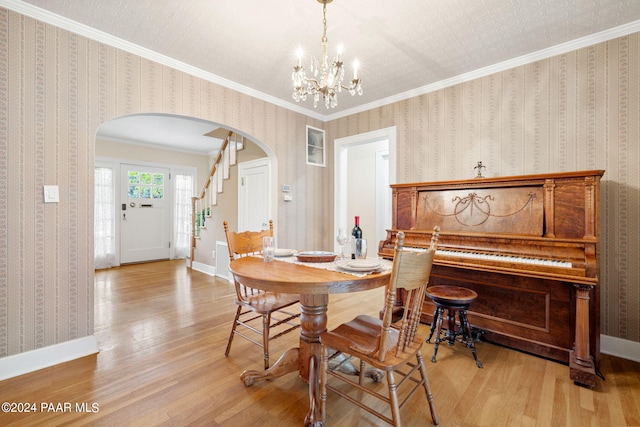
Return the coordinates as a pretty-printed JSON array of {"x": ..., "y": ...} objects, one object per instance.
[{"x": 316, "y": 85}]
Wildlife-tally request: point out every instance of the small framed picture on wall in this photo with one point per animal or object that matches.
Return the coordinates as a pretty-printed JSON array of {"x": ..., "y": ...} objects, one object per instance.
[{"x": 316, "y": 150}]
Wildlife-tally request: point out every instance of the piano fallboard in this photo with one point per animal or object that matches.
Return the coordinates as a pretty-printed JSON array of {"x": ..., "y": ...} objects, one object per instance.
[{"x": 528, "y": 245}]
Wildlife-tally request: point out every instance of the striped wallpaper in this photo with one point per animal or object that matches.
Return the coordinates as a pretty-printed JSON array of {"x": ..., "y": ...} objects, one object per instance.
[{"x": 576, "y": 111}]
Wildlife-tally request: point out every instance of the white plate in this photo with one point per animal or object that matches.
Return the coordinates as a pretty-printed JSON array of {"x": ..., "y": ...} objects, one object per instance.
[
  {"x": 284, "y": 252},
  {"x": 363, "y": 263},
  {"x": 359, "y": 266}
]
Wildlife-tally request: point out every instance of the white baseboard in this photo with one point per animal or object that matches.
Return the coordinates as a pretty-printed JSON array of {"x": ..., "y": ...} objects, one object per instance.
[
  {"x": 204, "y": 268},
  {"x": 619, "y": 347},
  {"x": 29, "y": 361}
]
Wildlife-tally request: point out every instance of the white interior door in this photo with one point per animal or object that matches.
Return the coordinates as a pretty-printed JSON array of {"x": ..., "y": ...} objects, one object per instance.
[
  {"x": 145, "y": 213},
  {"x": 254, "y": 197}
]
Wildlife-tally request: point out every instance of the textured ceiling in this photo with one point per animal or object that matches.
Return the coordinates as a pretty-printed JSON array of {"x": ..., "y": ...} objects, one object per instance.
[{"x": 404, "y": 47}]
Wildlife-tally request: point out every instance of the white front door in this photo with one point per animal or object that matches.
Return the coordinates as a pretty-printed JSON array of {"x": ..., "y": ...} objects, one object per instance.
[
  {"x": 254, "y": 206},
  {"x": 144, "y": 214}
]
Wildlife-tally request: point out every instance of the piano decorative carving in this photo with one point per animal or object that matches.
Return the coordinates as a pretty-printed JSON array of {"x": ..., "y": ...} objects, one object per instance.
[
  {"x": 528, "y": 245},
  {"x": 486, "y": 211}
]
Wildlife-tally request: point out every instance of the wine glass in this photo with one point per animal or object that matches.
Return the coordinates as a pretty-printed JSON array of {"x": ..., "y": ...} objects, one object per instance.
[{"x": 342, "y": 237}]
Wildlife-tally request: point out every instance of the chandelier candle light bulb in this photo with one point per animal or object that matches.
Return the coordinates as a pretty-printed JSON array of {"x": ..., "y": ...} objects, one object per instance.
[{"x": 331, "y": 76}]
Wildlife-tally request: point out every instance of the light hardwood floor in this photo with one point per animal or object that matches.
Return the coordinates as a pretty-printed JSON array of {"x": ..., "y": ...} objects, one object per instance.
[{"x": 162, "y": 331}]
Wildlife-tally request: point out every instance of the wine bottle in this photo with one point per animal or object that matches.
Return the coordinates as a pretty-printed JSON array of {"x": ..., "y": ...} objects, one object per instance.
[{"x": 356, "y": 233}]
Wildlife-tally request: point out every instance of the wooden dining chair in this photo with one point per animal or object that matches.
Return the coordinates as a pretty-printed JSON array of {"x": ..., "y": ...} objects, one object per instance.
[
  {"x": 259, "y": 312},
  {"x": 383, "y": 344}
]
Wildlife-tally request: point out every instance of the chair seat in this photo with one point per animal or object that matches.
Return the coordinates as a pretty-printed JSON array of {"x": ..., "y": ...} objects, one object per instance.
[
  {"x": 268, "y": 302},
  {"x": 453, "y": 295},
  {"x": 361, "y": 338}
]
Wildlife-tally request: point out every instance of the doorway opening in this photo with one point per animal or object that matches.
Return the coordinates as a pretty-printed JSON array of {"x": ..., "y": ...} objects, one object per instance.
[
  {"x": 356, "y": 157},
  {"x": 175, "y": 143}
]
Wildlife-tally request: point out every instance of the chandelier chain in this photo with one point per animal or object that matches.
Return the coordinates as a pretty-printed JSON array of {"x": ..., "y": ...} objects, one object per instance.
[{"x": 324, "y": 23}]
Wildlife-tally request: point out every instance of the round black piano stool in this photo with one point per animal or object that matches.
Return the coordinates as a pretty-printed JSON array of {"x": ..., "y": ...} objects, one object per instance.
[{"x": 452, "y": 299}]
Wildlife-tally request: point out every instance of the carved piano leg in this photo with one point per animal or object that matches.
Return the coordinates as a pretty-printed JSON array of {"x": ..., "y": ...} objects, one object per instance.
[{"x": 581, "y": 365}]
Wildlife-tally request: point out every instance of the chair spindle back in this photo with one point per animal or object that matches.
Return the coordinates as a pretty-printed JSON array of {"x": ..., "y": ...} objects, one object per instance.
[
  {"x": 411, "y": 271},
  {"x": 245, "y": 243}
]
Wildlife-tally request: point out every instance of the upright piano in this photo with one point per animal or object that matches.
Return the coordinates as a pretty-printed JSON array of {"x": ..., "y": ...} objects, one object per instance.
[{"x": 528, "y": 245}]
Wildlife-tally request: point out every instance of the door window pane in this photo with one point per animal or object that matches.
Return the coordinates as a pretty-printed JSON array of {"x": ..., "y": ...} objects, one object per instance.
[
  {"x": 133, "y": 192},
  {"x": 145, "y": 185},
  {"x": 134, "y": 177},
  {"x": 145, "y": 178}
]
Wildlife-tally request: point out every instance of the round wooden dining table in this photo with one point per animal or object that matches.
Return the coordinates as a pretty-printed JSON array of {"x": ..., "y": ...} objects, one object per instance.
[{"x": 314, "y": 286}]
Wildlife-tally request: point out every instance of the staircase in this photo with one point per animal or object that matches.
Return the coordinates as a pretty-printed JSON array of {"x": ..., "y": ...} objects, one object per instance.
[{"x": 201, "y": 205}]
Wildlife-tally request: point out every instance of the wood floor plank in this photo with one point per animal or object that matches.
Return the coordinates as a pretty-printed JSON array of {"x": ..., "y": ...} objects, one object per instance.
[{"x": 162, "y": 330}]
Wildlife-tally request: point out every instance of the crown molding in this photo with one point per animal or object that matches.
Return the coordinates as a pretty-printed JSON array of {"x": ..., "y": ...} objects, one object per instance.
[
  {"x": 105, "y": 38},
  {"x": 622, "y": 30},
  {"x": 102, "y": 37}
]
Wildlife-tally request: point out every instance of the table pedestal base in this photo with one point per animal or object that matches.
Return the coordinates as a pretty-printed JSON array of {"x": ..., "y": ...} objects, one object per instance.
[{"x": 288, "y": 362}]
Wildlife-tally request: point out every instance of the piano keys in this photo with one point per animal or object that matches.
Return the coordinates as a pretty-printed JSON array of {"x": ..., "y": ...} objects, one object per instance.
[{"x": 528, "y": 245}]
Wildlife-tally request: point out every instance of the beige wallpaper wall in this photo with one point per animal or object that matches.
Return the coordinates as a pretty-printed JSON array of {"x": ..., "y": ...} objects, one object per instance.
[
  {"x": 56, "y": 88},
  {"x": 576, "y": 111}
]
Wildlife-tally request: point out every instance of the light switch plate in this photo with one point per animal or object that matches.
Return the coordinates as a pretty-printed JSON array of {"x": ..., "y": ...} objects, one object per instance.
[{"x": 51, "y": 194}]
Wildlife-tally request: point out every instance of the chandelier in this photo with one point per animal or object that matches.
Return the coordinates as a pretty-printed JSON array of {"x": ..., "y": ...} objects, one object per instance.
[{"x": 329, "y": 83}]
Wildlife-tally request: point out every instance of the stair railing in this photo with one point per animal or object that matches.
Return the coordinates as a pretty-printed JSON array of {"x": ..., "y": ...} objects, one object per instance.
[{"x": 196, "y": 218}]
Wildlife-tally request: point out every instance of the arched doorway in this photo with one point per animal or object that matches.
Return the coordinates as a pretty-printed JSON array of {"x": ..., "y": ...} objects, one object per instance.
[{"x": 182, "y": 145}]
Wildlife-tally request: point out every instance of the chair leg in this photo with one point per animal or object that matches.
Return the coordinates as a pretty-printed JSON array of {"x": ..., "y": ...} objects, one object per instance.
[
  {"x": 427, "y": 389},
  {"x": 436, "y": 315},
  {"x": 438, "y": 338},
  {"x": 393, "y": 399},
  {"x": 266, "y": 322},
  {"x": 322, "y": 386},
  {"x": 467, "y": 336},
  {"x": 233, "y": 331}
]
